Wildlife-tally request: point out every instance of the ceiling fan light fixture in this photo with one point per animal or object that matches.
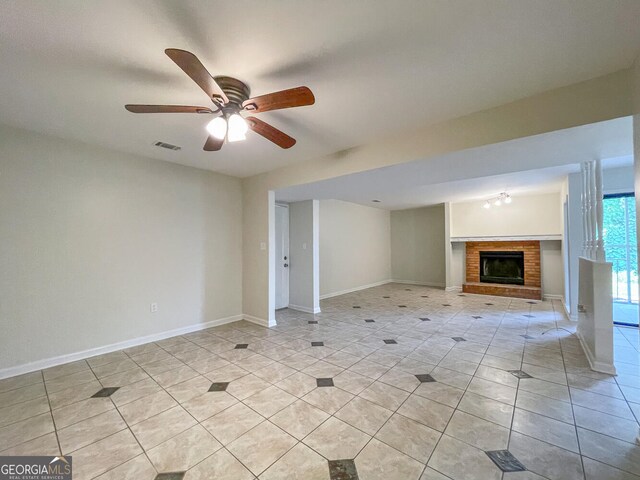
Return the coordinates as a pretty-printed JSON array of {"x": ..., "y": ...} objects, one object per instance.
[
  {"x": 237, "y": 128},
  {"x": 486, "y": 204},
  {"x": 217, "y": 128},
  {"x": 507, "y": 199}
]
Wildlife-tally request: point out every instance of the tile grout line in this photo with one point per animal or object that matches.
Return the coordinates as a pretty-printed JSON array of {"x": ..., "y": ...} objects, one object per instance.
[{"x": 55, "y": 429}]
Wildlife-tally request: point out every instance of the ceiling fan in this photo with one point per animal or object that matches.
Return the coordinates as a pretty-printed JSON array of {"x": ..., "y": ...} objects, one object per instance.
[{"x": 230, "y": 97}]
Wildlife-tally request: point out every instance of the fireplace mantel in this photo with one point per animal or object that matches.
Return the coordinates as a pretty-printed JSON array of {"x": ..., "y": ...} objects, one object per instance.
[{"x": 505, "y": 239}]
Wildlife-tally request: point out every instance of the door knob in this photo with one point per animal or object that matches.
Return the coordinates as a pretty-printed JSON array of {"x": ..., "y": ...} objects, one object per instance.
[{"x": 286, "y": 265}]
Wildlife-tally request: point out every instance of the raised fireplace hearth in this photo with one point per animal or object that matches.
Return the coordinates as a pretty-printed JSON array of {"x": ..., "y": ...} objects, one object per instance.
[
  {"x": 502, "y": 267},
  {"x": 507, "y": 268}
]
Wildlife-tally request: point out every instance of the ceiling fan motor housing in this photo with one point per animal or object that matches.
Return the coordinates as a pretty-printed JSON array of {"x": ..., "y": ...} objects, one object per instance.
[{"x": 235, "y": 90}]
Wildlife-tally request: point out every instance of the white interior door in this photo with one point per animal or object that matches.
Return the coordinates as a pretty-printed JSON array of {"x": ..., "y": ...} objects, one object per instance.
[{"x": 282, "y": 256}]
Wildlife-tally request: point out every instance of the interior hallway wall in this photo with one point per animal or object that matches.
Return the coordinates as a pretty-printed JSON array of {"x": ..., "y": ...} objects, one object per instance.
[
  {"x": 355, "y": 247},
  {"x": 304, "y": 256},
  {"x": 90, "y": 237},
  {"x": 418, "y": 246}
]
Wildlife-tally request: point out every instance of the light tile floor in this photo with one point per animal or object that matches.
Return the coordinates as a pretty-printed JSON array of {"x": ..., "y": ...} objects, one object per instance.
[
  {"x": 425, "y": 383},
  {"x": 625, "y": 313}
]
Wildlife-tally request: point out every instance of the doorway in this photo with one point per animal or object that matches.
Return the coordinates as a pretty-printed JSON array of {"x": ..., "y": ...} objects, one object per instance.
[
  {"x": 621, "y": 248},
  {"x": 282, "y": 256}
]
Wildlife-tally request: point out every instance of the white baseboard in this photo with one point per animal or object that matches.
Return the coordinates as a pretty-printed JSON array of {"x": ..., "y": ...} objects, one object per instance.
[
  {"x": 550, "y": 296},
  {"x": 258, "y": 321},
  {"x": 453, "y": 289},
  {"x": 300, "y": 308},
  {"x": 355, "y": 289},
  {"x": 568, "y": 314},
  {"x": 424, "y": 284},
  {"x": 92, "y": 352},
  {"x": 593, "y": 363}
]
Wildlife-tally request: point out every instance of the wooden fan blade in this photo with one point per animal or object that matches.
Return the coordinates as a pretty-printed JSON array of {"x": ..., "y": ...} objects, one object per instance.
[
  {"x": 294, "y": 97},
  {"x": 190, "y": 65},
  {"x": 270, "y": 133},
  {"x": 166, "y": 109},
  {"x": 213, "y": 144}
]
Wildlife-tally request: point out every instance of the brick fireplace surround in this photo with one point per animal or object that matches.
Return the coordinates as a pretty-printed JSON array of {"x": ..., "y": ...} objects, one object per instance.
[{"x": 532, "y": 278}]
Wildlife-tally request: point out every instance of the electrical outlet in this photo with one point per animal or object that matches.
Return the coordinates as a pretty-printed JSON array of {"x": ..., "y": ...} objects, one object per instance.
[
  {"x": 304, "y": 246},
  {"x": 154, "y": 307},
  {"x": 263, "y": 246}
]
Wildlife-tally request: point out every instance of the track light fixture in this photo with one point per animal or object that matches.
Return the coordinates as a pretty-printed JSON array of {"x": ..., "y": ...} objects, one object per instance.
[{"x": 504, "y": 197}]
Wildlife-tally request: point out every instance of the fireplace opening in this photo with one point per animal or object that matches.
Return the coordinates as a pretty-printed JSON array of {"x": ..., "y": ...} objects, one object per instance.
[{"x": 502, "y": 267}]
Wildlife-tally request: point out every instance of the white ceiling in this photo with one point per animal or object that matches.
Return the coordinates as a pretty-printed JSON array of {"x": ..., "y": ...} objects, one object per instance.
[
  {"x": 533, "y": 164},
  {"x": 69, "y": 67}
]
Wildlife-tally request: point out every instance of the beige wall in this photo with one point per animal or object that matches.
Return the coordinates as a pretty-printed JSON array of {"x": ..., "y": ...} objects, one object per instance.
[
  {"x": 526, "y": 215},
  {"x": 587, "y": 102},
  {"x": 91, "y": 237},
  {"x": 552, "y": 265},
  {"x": 354, "y": 246},
  {"x": 304, "y": 256},
  {"x": 418, "y": 246}
]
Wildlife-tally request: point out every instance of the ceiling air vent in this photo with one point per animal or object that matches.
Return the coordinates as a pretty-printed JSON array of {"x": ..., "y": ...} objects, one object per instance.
[{"x": 167, "y": 145}]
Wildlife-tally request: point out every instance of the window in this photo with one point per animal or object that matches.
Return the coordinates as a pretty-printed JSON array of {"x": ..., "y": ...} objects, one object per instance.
[{"x": 620, "y": 242}]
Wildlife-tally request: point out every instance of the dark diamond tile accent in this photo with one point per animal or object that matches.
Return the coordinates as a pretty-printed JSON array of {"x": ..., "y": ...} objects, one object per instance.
[
  {"x": 459, "y": 339},
  {"x": 520, "y": 374},
  {"x": 317, "y": 344},
  {"x": 407, "y": 289},
  {"x": 424, "y": 296},
  {"x": 505, "y": 461},
  {"x": 241, "y": 346},
  {"x": 390, "y": 342},
  {"x": 105, "y": 392},
  {"x": 425, "y": 319},
  {"x": 386, "y": 297},
  {"x": 488, "y": 303},
  {"x": 402, "y": 306},
  {"x": 356, "y": 306},
  {"x": 342, "y": 470},
  {"x": 313, "y": 322},
  {"x": 533, "y": 303},
  {"x": 324, "y": 382},
  {"x": 477, "y": 317},
  {"x": 528, "y": 337},
  {"x": 369, "y": 320},
  {"x": 425, "y": 377},
  {"x": 530, "y": 316},
  {"x": 446, "y": 304},
  {"x": 461, "y": 295},
  {"x": 170, "y": 476},
  {"x": 218, "y": 386}
]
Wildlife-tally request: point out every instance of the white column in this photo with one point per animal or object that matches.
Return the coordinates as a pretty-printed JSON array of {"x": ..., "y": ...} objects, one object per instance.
[
  {"x": 594, "y": 209},
  {"x": 600, "y": 254},
  {"x": 583, "y": 204},
  {"x": 589, "y": 218}
]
